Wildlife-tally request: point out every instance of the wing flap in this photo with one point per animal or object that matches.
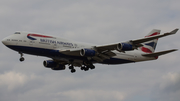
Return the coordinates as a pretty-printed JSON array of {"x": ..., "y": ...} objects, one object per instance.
[
  {"x": 73, "y": 52},
  {"x": 106, "y": 47},
  {"x": 76, "y": 52},
  {"x": 159, "y": 53}
]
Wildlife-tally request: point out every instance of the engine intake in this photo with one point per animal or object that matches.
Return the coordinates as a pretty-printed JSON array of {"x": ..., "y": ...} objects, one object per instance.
[
  {"x": 124, "y": 47},
  {"x": 87, "y": 52},
  {"x": 53, "y": 65}
]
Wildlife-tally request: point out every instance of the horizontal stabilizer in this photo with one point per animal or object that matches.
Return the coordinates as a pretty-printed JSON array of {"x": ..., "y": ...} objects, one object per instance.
[{"x": 159, "y": 53}]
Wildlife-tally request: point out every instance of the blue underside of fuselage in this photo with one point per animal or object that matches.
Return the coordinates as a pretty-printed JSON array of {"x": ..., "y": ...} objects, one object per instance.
[{"x": 55, "y": 53}]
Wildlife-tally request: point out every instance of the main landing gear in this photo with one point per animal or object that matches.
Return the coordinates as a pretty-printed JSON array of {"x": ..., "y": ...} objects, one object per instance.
[
  {"x": 85, "y": 68},
  {"x": 21, "y": 58},
  {"x": 72, "y": 69}
]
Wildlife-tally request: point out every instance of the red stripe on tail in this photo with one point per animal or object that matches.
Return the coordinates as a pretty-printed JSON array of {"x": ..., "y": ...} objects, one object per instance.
[
  {"x": 146, "y": 50},
  {"x": 156, "y": 33}
]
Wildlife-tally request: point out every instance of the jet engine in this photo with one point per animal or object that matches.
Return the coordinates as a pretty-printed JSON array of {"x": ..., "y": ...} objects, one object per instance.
[
  {"x": 87, "y": 52},
  {"x": 53, "y": 65},
  {"x": 124, "y": 47}
]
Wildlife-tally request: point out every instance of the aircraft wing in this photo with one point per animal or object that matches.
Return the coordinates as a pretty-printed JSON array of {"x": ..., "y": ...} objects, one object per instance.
[
  {"x": 100, "y": 56},
  {"x": 135, "y": 43},
  {"x": 106, "y": 51}
]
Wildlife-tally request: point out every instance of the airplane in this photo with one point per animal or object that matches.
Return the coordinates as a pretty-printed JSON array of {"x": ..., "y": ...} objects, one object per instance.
[{"x": 64, "y": 52}]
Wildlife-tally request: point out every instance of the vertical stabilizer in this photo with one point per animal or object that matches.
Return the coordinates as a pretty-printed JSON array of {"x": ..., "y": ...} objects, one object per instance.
[{"x": 150, "y": 46}]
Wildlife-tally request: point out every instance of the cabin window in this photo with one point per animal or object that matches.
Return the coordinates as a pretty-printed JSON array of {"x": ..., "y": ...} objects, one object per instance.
[
  {"x": 14, "y": 40},
  {"x": 17, "y": 33}
]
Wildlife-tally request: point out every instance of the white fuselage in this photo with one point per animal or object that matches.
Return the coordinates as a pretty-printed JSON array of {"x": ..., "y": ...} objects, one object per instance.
[{"x": 51, "y": 46}]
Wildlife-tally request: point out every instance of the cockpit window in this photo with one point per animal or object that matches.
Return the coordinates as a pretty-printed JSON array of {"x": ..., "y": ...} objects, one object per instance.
[{"x": 17, "y": 33}]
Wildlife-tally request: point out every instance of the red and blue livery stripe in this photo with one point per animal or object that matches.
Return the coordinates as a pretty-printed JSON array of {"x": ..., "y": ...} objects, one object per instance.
[{"x": 31, "y": 36}]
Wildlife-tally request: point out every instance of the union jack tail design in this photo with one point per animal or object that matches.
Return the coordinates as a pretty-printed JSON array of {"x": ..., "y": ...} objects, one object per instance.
[{"x": 150, "y": 46}]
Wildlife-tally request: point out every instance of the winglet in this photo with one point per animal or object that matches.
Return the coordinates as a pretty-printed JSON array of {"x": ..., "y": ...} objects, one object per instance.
[{"x": 174, "y": 31}]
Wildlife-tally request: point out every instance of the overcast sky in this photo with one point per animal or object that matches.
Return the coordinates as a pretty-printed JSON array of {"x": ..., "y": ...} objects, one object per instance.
[{"x": 97, "y": 22}]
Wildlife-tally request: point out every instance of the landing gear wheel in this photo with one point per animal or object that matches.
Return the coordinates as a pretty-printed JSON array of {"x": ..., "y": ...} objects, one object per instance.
[
  {"x": 92, "y": 67},
  {"x": 21, "y": 59},
  {"x": 71, "y": 67},
  {"x": 73, "y": 70},
  {"x": 82, "y": 68},
  {"x": 86, "y": 69}
]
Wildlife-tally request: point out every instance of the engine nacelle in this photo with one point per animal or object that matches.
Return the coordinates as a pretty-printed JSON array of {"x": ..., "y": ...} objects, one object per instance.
[
  {"x": 87, "y": 52},
  {"x": 53, "y": 65},
  {"x": 124, "y": 47}
]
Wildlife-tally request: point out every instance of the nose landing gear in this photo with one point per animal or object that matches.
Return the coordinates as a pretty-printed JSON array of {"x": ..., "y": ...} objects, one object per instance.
[{"x": 21, "y": 58}]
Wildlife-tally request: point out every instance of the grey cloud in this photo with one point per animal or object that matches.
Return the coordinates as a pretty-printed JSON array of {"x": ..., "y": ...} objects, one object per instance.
[{"x": 168, "y": 89}]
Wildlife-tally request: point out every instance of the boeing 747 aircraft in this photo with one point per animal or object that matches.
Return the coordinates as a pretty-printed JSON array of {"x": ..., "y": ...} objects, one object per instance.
[{"x": 74, "y": 54}]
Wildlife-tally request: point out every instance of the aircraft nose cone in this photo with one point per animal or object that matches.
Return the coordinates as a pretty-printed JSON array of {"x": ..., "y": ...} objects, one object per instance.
[{"x": 4, "y": 41}]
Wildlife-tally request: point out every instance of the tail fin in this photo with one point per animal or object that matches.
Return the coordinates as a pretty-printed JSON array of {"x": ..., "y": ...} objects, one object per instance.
[{"x": 150, "y": 46}]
